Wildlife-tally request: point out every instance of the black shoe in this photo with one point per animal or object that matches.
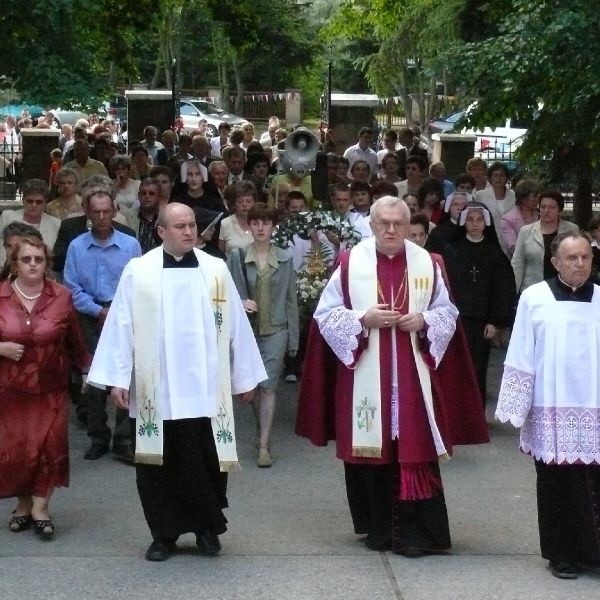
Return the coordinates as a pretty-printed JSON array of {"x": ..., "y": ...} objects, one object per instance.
[
  {"x": 95, "y": 452},
  {"x": 124, "y": 454},
  {"x": 412, "y": 552},
  {"x": 208, "y": 543},
  {"x": 378, "y": 545},
  {"x": 159, "y": 550},
  {"x": 563, "y": 570}
]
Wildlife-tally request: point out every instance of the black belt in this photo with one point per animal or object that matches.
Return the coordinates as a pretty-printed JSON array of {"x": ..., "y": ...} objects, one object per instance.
[{"x": 103, "y": 304}]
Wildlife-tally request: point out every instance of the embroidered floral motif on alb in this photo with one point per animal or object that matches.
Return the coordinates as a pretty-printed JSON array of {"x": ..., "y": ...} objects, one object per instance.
[
  {"x": 440, "y": 331},
  {"x": 562, "y": 435},
  {"x": 340, "y": 331},
  {"x": 516, "y": 395}
]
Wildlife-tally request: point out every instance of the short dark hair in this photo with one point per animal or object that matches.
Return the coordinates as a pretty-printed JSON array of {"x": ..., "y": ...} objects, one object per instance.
[
  {"x": 390, "y": 156},
  {"x": 360, "y": 162},
  {"x": 137, "y": 148},
  {"x": 524, "y": 188},
  {"x": 556, "y": 196},
  {"x": 497, "y": 166},
  {"x": 430, "y": 185},
  {"x": 391, "y": 134},
  {"x": 364, "y": 130},
  {"x": 464, "y": 178},
  {"x": 295, "y": 195},
  {"x": 21, "y": 229},
  {"x": 417, "y": 160},
  {"x": 340, "y": 187},
  {"x": 420, "y": 219},
  {"x": 261, "y": 212},
  {"x": 384, "y": 188},
  {"x": 224, "y": 125},
  {"x": 594, "y": 223},
  {"x": 161, "y": 170},
  {"x": 361, "y": 186},
  {"x": 237, "y": 136},
  {"x": 240, "y": 188},
  {"x": 561, "y": 237},
  {"x": 230, "y": 151},
  {"x": 256, "y": 158}
]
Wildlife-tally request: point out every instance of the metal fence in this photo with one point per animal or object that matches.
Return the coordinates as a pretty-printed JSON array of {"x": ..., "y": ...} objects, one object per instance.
[{"x": 390, "y": 116}]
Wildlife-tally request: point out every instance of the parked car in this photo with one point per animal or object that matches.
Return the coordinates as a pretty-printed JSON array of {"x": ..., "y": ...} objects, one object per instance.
[
  {"x": 445, "y": 124},
  {"x": 17, "y": 109},
  {"x": 194, "y": 109}
]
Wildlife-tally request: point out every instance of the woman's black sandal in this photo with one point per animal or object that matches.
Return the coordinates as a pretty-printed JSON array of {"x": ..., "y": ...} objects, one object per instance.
[
  {"x": 19, "y": 523},
  {"x": 44, "y": 528}
]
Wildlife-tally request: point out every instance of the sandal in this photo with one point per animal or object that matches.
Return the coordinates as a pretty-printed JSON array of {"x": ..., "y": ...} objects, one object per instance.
[
  {"x": 44, "y": 527},
  {"x": 19, "y": 523}
]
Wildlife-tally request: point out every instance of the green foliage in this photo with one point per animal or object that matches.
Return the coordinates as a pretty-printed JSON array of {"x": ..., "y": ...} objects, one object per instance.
[
  {"x": 408, "y": 38},
  {"x": 544, "y": 53},
  {"x": 58, "y": 52},
  {"x": 539, "y": 54}
]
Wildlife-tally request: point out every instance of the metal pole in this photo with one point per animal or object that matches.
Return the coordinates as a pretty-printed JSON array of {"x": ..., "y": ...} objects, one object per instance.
[
  {"x": 174, "y": 97},
  {"x": 329, "y": 68}
]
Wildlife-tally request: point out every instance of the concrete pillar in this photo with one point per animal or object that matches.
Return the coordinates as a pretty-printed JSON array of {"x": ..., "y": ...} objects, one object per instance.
[
  {"x": 148, "y": 107},
  {"x": 454, "y": 150},
  {"x": 37, "y": 145},
  {"x": 293, "y": 107}
]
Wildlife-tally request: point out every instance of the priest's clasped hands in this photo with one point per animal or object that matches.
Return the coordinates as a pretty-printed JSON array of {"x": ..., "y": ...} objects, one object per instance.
[{"x": 380, "y": 316}]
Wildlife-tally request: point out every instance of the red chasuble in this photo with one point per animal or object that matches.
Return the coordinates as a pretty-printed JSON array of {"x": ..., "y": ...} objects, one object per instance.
[{"x": 325, "y": 401}]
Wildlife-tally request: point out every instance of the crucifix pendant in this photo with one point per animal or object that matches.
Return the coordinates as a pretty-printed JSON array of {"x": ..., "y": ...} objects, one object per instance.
[{"x": 474, "y": 272}]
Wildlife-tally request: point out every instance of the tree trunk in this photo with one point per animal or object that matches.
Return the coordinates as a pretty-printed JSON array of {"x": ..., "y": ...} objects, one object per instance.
[
  {"x": 239, "y": 100},
  {"x": 582, "y": 202},
  {"x": 157, "y": 69}
]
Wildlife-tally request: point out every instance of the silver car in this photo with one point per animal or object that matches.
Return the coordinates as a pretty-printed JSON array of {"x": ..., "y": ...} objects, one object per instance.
[{"x": 194, "y": 109}]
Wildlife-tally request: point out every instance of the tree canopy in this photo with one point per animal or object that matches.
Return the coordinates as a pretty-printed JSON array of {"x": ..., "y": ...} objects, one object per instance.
[
  {"x": 73, "y": 52},
  {"x": 537, "y": 59}
]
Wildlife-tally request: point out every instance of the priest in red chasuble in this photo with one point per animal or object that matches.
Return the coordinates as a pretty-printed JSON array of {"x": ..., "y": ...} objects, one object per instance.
[{"x": 392, "y": 384}]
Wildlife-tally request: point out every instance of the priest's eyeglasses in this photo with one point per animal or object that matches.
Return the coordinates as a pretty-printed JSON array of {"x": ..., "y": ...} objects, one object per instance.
[{"x": 385, "y": 225}]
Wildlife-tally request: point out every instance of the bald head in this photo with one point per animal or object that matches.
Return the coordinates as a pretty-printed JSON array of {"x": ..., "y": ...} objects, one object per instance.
[{"x": 176, "y": 226}]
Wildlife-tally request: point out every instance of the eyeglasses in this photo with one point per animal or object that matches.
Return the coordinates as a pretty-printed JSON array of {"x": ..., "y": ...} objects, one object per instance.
[
  {"x": 26, "y": 260},
  {"x": 385, "y": 225}
]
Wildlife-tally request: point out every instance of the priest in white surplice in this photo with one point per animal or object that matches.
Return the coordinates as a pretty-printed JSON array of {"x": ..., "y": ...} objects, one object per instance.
[
  {"x": 551, "y": 390},
  {"x": 175, "y": 346}
]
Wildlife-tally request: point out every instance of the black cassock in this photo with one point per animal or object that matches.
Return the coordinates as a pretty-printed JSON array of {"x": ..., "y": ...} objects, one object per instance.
[
  {"x": 187, "y": 492},
  {"x": 483, "y": 286}
]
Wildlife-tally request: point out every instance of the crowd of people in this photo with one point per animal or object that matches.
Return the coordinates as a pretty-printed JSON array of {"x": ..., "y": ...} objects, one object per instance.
[{"x": 142, "y": 261}]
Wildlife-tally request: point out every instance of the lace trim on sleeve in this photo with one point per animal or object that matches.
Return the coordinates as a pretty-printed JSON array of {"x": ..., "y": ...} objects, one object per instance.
[
  {"x": 341, "y": 331},
  {"x": 516, "y": 395},
  {"x": 442, "y": 326}
]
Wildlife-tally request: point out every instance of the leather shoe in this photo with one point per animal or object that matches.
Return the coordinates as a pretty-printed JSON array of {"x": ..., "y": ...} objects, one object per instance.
[
  {"x": 95, "y": 452},
  {"x": 124, "y": 454},
  {"x": 378, "y": 545},
  {"x": 563, "y": 570},
  {"x": 159, "y": 550},
  {"x": 208, "y": 543}
]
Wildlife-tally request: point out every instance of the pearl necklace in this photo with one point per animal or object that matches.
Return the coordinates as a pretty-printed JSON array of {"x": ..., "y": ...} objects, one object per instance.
[{"x": 34, "y": 297}]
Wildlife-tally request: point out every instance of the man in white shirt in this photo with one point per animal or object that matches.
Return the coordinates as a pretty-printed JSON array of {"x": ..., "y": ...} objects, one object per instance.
[{"x": 363, "y": 151}]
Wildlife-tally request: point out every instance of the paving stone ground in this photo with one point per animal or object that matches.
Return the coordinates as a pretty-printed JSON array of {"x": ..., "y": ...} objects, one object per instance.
[{"x": 290, "y": 534}]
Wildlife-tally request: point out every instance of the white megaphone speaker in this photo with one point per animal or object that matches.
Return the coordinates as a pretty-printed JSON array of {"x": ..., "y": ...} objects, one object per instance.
[{"x": 300, "y": 154}]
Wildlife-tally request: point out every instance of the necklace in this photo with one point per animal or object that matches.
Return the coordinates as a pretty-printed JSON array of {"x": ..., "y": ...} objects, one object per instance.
[
  {"x": 34, "y": 297},
  {"x": 403, "y": 289}
]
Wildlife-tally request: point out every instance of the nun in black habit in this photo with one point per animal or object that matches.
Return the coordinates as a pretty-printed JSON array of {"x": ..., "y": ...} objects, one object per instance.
[{"x": 482, "y": 282}]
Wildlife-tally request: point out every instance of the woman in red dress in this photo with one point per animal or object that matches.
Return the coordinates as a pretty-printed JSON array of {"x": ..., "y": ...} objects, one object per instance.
[{"x": 39, "y": 342}]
